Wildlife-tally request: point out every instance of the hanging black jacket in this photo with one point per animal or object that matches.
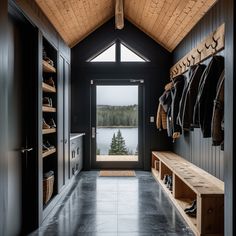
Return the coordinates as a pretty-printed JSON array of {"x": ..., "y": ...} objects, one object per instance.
[
  {"x": 203, "y": 108},
  {"x": 184, "y": 95},
  {"x": 176, "y": 93},
  {"x": 218, "y": 114},
  {"x": 191, "y": 96}
]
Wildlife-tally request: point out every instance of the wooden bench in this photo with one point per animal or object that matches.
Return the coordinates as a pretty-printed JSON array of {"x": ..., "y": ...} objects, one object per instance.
[{"x": 190, "y": 183}]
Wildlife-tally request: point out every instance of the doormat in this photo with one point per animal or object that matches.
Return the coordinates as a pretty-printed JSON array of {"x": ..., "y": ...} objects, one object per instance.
[{"x": 124, "y": 173}]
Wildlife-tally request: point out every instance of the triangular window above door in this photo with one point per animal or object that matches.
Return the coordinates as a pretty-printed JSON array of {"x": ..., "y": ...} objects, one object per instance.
[
  {"x": 109, "y": 55},
  {"x": 127, "y": 55}
]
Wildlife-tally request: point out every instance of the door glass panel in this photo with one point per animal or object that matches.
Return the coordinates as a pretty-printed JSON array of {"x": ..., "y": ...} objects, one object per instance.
[{"x": 117, "y": 123}]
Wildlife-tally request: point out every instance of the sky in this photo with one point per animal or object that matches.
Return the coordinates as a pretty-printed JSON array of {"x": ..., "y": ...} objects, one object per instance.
[{"x": 117, "y": 95}]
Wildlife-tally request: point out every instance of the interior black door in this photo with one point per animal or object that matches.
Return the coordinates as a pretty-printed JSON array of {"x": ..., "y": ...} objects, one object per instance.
[
  {"x": 22, "y": 125},
  {"x": 117, "y": 124}
]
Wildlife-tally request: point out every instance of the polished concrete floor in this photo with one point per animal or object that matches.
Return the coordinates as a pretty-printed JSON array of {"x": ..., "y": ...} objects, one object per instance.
[{"x": 115, "y": 206}]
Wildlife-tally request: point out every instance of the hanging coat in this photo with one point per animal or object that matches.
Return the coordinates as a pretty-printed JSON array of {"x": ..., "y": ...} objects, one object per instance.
[
  {"x": 161, "y": 120},
  {"x": 184, "y": 95},
  {"x": 164, "y": 103},
  {"x": 218, "y": 114},
  {"x": 203, "y": 108},
  {"x": 176, "y": 93},
  {"x": 191, "y": 96}
]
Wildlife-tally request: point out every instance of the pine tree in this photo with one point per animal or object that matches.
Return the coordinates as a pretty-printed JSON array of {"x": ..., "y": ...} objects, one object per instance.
[
  {"x": 122, "y": 150},
  {"x": 113, "y": 147},
  {"x": 118, "y": 146}
]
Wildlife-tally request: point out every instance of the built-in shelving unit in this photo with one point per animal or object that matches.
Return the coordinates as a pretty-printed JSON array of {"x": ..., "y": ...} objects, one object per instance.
[
  {"x": 47, "y": 88},
  {"x": 49, "y": 131},
  {"x": 49, "y": 113},
  {"x": 192, "y": 183},
  {"x": 49, "y": 109},
  {"x": 47, "y": 68},
  {"x": 50, "y": 152}
]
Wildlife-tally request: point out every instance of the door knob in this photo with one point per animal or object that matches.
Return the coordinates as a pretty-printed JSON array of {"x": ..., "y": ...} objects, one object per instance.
[
  {"x": 65, "y": 141},
  {"x": 23, "y": 150}
]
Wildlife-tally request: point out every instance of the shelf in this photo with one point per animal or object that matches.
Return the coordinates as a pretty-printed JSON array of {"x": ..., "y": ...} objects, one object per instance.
[
  {"x": 47, "y": 88},
  {"x": 49, "y": 109},
  {"x": 49, "y": 131},
  {"x": 48, "y": 68},
  {"x": 180, "y": 204},
  {"x": 201, "y": 182},
  {"x": 50, "y": 152},
  {"x": 156, "y": 175}
]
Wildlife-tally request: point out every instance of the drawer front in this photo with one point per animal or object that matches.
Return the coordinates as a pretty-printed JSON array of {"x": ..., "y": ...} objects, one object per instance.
[{"x": 76, "y": 156}]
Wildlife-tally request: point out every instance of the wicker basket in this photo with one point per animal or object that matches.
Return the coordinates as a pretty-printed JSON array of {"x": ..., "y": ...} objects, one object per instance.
[{"x": 47, "y": 188}]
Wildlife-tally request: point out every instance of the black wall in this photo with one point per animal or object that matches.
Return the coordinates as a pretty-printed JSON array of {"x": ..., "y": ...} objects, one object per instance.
[
  {"x": 154, "y": 73},
  {"x": 3, "y": 115},
  {"x": 191, "y": 145},
  {"x": 230, "y": 117}
]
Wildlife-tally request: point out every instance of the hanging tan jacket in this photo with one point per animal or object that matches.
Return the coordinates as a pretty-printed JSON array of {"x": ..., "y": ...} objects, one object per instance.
[{"x": 161, "y": 120}]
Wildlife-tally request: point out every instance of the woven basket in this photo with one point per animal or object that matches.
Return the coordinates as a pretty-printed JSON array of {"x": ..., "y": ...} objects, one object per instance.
[{"x": 47, "y": 188}]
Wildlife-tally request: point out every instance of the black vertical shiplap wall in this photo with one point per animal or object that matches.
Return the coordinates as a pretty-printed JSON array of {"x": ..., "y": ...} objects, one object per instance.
[
  {"x": 192, "y": 145},
  {"x": 3, "y": 115}
]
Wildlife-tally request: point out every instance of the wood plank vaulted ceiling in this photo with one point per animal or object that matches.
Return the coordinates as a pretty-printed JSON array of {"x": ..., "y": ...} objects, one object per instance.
[{"x": 166, "y": 21}]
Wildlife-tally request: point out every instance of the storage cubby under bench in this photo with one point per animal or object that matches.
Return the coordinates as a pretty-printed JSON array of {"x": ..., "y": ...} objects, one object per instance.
[{"x": 192, "y": 183}]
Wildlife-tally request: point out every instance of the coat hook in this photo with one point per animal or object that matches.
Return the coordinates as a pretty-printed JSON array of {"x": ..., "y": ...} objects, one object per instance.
[
  {"x": 215, "y": 41},
  {"x": 193, "y": 57},
  {"x": 189, "y": 62},
  {"x": 207, "y": 46},
  {"x": 199, "y": 52}
]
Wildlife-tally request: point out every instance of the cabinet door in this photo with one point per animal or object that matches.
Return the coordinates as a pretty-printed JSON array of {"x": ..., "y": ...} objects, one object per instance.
[
  {"x": 63, "y": 122},
  {"x": 80, "y": 154},
  {"x": 60, "y": 123},
  {"x": 66, "y": 115}
]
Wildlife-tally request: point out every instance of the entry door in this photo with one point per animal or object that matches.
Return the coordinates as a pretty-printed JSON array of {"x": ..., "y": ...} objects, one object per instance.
[
  {"x": 116, "y": 127},
  {"x": 22, "y": 208}
]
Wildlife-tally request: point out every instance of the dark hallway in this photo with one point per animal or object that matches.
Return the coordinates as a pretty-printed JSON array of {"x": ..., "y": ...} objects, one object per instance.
[{"x": 117, "y": 87}]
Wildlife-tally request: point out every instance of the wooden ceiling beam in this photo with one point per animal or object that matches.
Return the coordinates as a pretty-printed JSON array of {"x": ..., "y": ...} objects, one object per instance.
[{"x": 119, "y": 14}]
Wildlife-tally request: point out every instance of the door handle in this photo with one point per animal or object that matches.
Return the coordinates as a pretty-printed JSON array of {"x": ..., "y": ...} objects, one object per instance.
[
  {"x": 23, "y": 150},
  {"x": 93, "y": 132},
  {"x": 65, "y": 141}
]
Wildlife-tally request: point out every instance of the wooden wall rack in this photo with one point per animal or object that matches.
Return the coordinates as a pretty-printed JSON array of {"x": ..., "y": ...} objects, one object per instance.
[
  {"x": 211, "y": 45},
  {"x": 190, "y": 183}
]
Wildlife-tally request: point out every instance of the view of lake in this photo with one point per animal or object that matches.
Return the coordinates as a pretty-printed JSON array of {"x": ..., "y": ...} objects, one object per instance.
[{"x": 104, "y": 137}]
